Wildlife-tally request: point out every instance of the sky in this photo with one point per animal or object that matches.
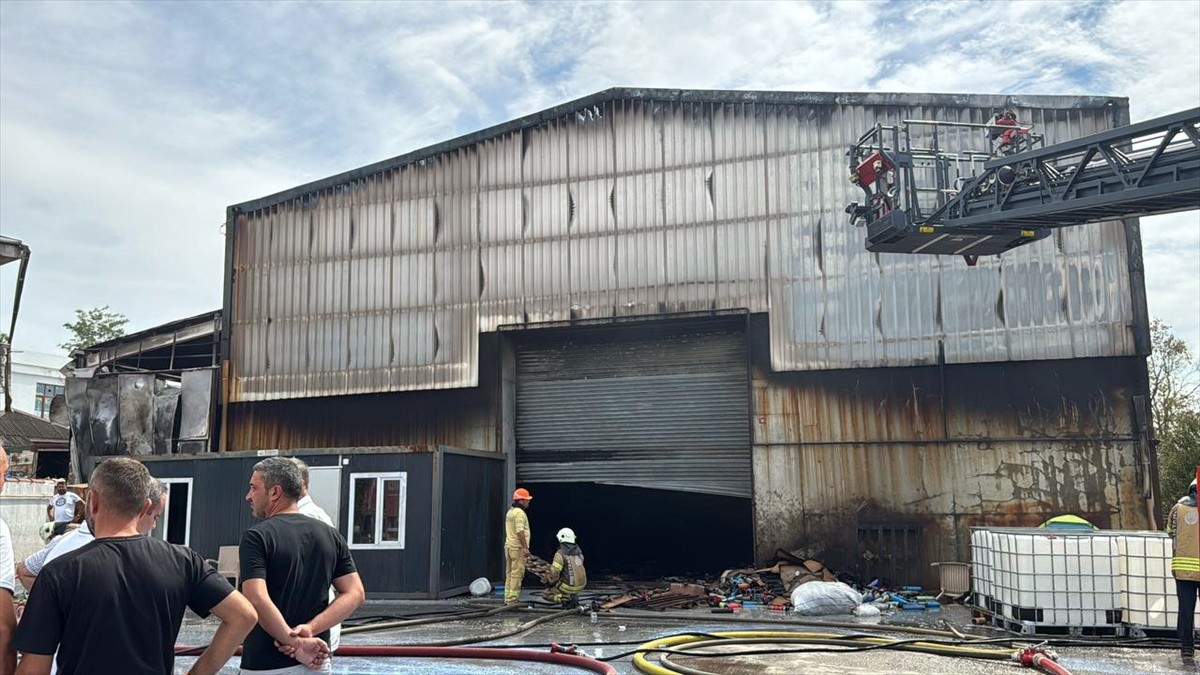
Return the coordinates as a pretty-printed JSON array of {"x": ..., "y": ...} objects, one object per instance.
[{"x": 126, "y": 129}]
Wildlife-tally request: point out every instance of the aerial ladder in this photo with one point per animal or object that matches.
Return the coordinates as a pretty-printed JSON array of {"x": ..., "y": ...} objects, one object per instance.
[{"x": 923, "y": 195}]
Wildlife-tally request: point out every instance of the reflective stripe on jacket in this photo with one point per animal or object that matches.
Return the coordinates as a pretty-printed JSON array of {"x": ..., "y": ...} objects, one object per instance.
[
  {"x": 1183, "y": 524},
  {"x": 568, "y": 565}
]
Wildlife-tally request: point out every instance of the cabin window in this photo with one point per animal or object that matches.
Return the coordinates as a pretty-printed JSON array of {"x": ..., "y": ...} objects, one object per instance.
[{"x": 377, "y": 508}]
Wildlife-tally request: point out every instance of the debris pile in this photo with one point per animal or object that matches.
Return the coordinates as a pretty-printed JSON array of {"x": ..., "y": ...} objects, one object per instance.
[
  {"x": 768, "y": 586},
  {"x": 790, "y": 581},
  {"x": 906, "y": 598},
  {"x": 675, "y": 596}
]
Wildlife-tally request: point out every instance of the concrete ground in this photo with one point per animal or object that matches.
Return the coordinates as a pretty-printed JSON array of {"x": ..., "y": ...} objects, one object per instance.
[{"x": 614, "y": 628}]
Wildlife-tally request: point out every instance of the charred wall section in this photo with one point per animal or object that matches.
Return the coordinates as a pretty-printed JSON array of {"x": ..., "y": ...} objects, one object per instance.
[
  {"x": 637, "y": 202},
  {"x": 863, "y": 464},
  {"x": 464, "y": 418}
]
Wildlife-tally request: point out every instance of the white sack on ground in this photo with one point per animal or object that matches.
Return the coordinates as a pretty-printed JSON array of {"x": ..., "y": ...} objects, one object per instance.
[{"x": 820, "y": 598}]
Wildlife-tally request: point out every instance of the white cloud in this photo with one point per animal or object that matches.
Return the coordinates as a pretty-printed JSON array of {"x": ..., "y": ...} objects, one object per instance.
[{"x": 126, "y": 129}]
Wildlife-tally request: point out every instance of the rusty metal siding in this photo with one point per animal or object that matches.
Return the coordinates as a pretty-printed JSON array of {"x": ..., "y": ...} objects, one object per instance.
[
  {"x": 946, "y": 448},
  {"x": 463, "y": 418},
  {"x": 650, "y": 203},
  {"x": 397, "y": 419}
]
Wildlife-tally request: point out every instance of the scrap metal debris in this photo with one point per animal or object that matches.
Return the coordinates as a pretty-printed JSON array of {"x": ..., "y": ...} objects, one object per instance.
[
  {"x": 770, "y": 587},
  {"x": 675, "y": 596}
]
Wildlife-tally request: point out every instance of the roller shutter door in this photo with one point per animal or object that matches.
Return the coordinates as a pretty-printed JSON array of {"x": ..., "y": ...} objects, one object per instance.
[{"x": 664, "y": 407}]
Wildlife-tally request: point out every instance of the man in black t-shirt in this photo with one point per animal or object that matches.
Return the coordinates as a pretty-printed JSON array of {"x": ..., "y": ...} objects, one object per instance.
[
  {"x": 121, "y": 598},
  {"x": 288, "y": 563}
]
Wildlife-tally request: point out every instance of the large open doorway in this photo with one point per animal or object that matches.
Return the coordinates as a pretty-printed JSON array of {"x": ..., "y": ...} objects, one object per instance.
[
  {"x": 639, "y": 533},
  {"x": 637, "y": 435}
]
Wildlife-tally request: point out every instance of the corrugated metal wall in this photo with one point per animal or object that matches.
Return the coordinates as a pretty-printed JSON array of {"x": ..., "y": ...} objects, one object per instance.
[
  {"x": 648, "y": 203},
  {"x": 945, "y": 449},
  {"x": 466, "y": 418}
]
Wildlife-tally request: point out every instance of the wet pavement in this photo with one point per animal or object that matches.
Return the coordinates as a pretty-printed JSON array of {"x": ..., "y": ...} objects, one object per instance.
[{"x": 633, "y": 630}]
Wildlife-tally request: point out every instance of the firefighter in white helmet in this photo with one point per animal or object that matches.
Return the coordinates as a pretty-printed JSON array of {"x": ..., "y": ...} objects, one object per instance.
[
  {"x": 1183, "y": 524},
  {"x": 567, "y": 574}
]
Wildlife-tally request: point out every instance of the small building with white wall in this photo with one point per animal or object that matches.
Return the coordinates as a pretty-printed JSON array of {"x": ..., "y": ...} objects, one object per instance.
[
  {"x": 36, "y": 379},
  {"x": 23, "y": 505}
]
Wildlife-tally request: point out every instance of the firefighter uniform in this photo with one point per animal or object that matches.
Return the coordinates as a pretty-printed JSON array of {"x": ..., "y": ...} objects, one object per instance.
[
  {"x": 515, "y": 522},
  {"x": 569, "y": 576},
  {"x": 1183, "y": 524}
]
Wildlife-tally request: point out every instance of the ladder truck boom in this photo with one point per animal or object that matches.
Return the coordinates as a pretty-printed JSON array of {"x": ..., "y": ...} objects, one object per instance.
[{"x": 919, "y": 199}]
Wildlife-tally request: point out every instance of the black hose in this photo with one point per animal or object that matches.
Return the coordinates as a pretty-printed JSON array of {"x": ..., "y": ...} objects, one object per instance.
[
  {"x": 1155, "y": 643},
  {"x": 728, "y": 618},
  {"x": 528, "y": 625},
  {"x": 407, "y": 623},
  {"x": 377, "y": 618}
]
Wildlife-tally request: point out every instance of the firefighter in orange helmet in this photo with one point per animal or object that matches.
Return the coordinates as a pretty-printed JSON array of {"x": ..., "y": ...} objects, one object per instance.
[{"x": 516, "y": 545}]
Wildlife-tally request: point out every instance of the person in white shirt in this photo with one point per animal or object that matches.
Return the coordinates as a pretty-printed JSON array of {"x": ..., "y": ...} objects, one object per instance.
[
  {"x": 307, "y": 507},
  {"x": 77, "y": 539},
  {"x": 64, "y": 508},
  {"x": 28, "y": 569},
  {"x": 8, "y": 586},
  {"x": 32, "y": 566}
]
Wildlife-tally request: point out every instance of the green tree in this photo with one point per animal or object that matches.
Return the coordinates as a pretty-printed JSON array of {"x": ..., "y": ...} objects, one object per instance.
[
  {"x": 1174, "y": 377},
  {"x": 1175, "y": 407},
  {"x": 1178, "y": 457},
  {"x": 94, "y": 325}
]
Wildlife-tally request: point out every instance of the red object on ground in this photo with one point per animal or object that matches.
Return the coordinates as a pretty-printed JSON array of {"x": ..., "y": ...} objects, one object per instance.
[
  {"x": 1036, "y": 658},
  {"x": 569, "y": 660}
]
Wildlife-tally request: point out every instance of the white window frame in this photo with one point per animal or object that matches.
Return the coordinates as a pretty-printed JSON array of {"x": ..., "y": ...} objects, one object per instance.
[
  {"x": 187, "y": 526},
  {"x": 42, "y": 399},
  {"x": 379, "y": 477}
]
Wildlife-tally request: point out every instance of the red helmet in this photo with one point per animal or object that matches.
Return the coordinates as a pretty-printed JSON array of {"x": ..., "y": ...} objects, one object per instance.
[{"x": 521, "y": 493}]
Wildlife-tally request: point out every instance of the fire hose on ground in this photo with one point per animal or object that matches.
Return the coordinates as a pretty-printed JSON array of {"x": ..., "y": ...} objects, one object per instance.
[
  {"x": 424, "y": 621},
  {"x": 691, "y": 644},
  {"x": 555, "y": 656},
  {"x": 453, "y": 649},
  {"x": 687, "y": 645}
]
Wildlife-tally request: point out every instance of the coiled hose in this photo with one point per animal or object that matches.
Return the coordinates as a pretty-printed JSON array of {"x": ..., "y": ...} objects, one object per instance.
[{"x": 682, "y": 644}]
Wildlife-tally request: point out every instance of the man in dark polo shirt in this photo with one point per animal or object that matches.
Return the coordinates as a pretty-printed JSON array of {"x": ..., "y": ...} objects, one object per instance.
[
  {"x": 115, "y": 605},
  {"x": 288, "y": 563}
]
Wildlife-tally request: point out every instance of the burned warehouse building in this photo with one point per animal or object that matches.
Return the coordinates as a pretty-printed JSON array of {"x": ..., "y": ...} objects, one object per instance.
[{"x": 648, "y": 307}]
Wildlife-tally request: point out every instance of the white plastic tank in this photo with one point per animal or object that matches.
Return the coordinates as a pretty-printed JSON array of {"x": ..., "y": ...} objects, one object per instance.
[
  {"x": 1147, "y": 586},
  {"x": 1050, "y": 577}
]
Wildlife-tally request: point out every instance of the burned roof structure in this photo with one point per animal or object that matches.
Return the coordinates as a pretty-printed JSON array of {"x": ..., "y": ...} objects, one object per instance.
[{"x": 652, "y": 299}]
